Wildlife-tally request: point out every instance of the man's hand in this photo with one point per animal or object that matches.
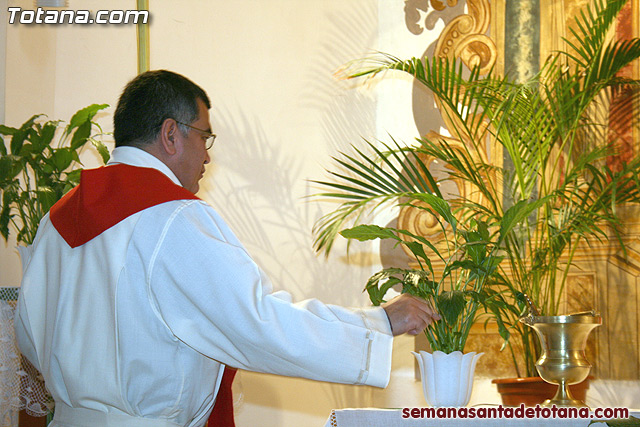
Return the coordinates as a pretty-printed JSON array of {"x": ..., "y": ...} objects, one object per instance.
[{"x": 409, "y": 314}]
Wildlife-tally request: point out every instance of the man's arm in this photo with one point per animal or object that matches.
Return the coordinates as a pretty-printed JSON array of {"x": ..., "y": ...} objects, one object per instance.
[{"x": 212, "y": 296}]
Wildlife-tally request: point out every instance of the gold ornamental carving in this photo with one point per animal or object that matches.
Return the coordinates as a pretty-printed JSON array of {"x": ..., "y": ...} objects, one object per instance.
[{"x": 464, "y": 37}]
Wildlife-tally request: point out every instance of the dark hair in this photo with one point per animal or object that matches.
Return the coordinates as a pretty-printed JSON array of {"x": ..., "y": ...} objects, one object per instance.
[{"x": 151, "y": 98}]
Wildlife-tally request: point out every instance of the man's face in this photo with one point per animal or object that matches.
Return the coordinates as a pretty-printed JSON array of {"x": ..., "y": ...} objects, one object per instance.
[{"x": 194, "y": 154}]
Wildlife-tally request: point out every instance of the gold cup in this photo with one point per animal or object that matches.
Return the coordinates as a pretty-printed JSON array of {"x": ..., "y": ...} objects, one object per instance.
[{"x": 563, "y": 362}]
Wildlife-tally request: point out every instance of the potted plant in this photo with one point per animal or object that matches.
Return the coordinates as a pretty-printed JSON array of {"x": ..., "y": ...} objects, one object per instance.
[
  {"x": 554, "y": 129},
  {"x": 36, "y": 170},
  {"x": 38, "y": 165},
  {"x": 452, "y": 277}
]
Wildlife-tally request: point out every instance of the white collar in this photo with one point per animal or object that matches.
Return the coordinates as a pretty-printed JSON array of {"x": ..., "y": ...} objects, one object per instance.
[{"x": 136, "y": 157}]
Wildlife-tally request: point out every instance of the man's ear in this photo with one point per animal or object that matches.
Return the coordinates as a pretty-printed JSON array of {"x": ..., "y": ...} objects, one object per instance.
[{"x": 169, "y": 136}]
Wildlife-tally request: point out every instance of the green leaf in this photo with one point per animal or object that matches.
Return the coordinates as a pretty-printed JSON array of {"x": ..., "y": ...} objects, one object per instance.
[
  {"x": 450, "y": 305},
  {"x": 46, "y": 135},
  {"x": 10, "y": 167},
  {"x": 26, "y": 150},
  {"x": 375, "y": 290},
  {"x": 483, "y": 229},
  {"x": 376, "y": 294},
  {"x": 19, "y": 135},
  {"x": 17, "y": 140},
  {"x": 518, "y": 213},
  {"x": 464, "y": 264},
  {"x": 5, "y": 218},
  {"x": 62, "y": 158},
  {"x": 6, "y": 164},
  {"x": 475, "y": 246},
  {"x": 81, "y": 135},
  {"x": 420, "y": 239},
  {"x": 366, "y": 232},
  {"x": 7, "y": 130},
  {"x": 440, "y": 206},
  {"x": 418, "y": 250},
  {"x": 102, "y": 150},
  {"x": 427, "y": 288},
  {"x": 84, "y": 115},
  {"x": 502, "y": 329},
  {"x": 492, "y": 263},
  {"x": 47, "y": 197}
]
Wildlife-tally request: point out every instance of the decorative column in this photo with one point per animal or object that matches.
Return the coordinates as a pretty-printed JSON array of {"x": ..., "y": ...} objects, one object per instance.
[
  {"x": 521, "y": 51},
  {"x": 522, "y": 38}
]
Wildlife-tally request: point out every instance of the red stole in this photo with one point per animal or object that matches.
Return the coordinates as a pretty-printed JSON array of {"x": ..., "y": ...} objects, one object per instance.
[{"x": 108, "y": 195}]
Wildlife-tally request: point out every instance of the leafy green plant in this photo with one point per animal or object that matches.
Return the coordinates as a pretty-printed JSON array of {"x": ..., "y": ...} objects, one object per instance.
[
  {"x": 470, "y": 256},
  {"x": 36, "y": 170},
  {"x": 554, "y": 128}
]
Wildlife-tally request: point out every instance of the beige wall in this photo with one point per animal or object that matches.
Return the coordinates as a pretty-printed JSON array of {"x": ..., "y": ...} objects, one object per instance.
[{"x": 279, "y": 114}]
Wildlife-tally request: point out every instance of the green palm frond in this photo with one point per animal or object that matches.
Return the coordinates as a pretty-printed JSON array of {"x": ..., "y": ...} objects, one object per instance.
[
  {"x": 590, "y": 29},
  {"x": 369, "y": 182}
]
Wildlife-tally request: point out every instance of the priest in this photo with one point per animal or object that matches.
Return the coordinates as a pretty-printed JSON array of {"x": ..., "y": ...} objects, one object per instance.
[{"x": 138, "y": 294}]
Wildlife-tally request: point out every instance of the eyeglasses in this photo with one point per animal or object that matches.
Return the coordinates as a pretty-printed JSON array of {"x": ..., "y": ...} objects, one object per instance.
[{"x": 211, "y": 137}]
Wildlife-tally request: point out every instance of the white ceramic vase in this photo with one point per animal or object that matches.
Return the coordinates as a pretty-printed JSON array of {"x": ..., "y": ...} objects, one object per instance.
[{"x": 447, "y": 379}]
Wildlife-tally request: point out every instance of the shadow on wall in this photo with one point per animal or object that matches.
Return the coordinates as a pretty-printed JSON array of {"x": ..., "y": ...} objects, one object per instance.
[
  {"x": 265, "y": 193},
  {"x": 262, "y": 194},
  {"x": 418, "y": 18}
]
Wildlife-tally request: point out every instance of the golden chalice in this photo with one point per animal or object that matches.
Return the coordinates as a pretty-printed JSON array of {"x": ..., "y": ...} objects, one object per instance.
[{"x": 563, "y": 362}]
